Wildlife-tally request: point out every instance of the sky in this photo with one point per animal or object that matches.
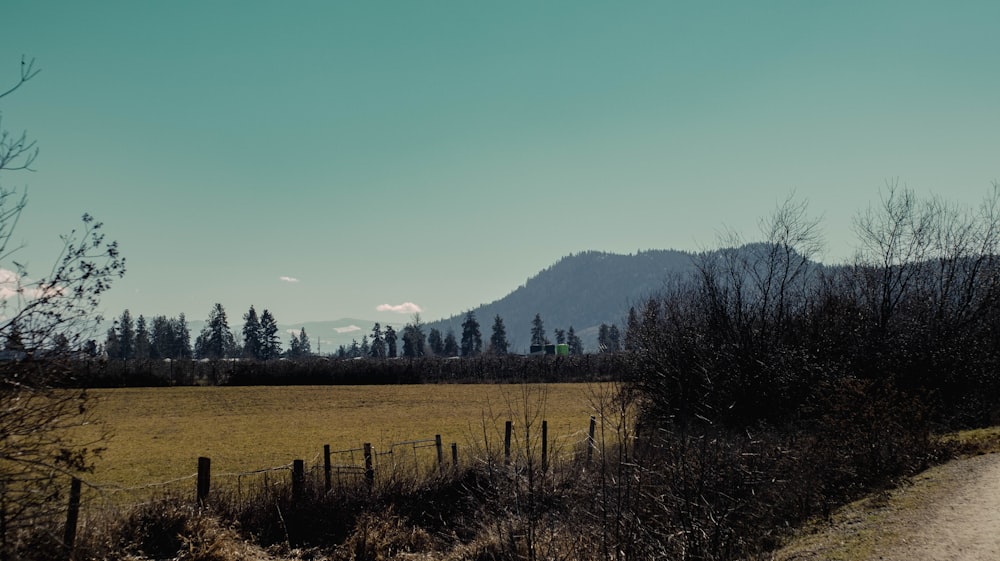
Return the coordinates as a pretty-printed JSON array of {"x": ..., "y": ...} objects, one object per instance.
[{"x": 370, "y": 159}]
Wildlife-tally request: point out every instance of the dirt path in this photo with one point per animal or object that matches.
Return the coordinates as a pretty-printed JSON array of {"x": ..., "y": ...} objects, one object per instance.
[{"x": 948, "y": 513}]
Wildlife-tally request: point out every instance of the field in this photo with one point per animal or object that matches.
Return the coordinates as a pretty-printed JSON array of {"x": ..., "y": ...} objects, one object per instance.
[{"x": 158, "y": 433}]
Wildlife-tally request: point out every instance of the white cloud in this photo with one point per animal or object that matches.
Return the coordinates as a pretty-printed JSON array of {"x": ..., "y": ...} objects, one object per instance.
[
  {"x": 8, "y": 284},
  {"x": 348, "y": 329},
  {"x": 404, "y": 308},
  {"x": 288, "y": 279},
  {"x": 12, "y": 285}
]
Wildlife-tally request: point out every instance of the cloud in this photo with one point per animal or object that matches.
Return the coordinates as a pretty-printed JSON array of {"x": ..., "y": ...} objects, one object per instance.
[
  {"x": 348, "y": 329},
  {"x": 404, "y": 308},
  {"x": 13, "y": 285},
  {"x": 9, "y": 283},
  {"x": 288, "y": 279}
]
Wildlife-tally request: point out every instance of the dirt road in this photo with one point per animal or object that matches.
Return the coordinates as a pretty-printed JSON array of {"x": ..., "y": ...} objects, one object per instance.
[{"x": 948, "y": 513}]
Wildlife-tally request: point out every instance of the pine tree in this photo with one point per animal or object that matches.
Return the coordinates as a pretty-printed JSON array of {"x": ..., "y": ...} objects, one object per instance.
[
  {"x": 294, "y": 349},
  {"x": 608, "y": 338},
  {"x": 305, "y": 349},
  {"x": 435, "y": 342},
  {"x": 560, "y": 336},
  {"x": 161, "y": 338},
  {"x": 632, "y": 330},
  {"x": 574, "y": 342},
  {"x": 142, "y": 343},
  {"x": 538, "y": 331},
  {"x": 498, "y": 341},
  {"x": 414, "y": 338},
  {"x": 253, "y": 336},
  {"x": 614, "y": 339},
  {"x": 182, "y": 338},
  {"x": 112, "y": 348},
  {"x": 472, "y": 340},
  {"x": 270, "y": 342},
  {"x": 216, "y": 340},
  {"x": 602, "y": 338},
  {"x": 378, "y": 342},
  {"x": 390, "y": 341},
  {"x": 126, "y": 337},
  {"x": 450, "y": 344}
]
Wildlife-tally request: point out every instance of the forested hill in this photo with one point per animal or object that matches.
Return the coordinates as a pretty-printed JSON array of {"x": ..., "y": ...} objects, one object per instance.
[{"x": 582, "y": 290}]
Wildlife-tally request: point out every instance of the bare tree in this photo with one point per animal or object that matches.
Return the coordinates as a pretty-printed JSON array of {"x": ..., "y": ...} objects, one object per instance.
[{"x": 46, "y": 322}]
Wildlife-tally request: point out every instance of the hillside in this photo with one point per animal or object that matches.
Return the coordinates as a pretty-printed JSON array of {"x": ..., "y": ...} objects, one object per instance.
[{"x": 581, "y": 290}]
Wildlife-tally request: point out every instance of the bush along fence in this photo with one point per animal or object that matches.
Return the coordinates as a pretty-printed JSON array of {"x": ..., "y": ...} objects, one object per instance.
[{"x": 365, "y": 467}]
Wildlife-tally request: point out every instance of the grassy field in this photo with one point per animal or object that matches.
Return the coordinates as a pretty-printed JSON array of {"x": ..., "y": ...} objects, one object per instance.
[{"x": 158, "y": 433}]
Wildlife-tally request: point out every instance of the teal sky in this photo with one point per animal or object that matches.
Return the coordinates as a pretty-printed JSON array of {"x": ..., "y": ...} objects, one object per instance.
[{"x": 440, "y": 153}]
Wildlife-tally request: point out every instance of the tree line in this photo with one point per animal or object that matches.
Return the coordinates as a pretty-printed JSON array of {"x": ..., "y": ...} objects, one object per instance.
[{"x": 170, "y": 338}]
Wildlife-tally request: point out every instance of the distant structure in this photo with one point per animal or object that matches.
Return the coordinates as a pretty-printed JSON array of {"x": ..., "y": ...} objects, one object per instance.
[{"x": 561, "y": 349}]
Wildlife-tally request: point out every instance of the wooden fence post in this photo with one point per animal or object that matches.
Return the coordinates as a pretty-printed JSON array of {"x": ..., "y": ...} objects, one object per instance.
[
  {"x": 545, "y": 446},
  {"x": 454, "y": 456},
  {"x": 591, "y": 444},
  {"x": 72, "y": 515},
  {"x": 506, "y": 441},
  {"x": 298, "y": 479},
  {"x": 327, "y": 468},
  {"x": 204, "y": 479},
  {"x": 440, "y": 451},
  {"x": 369, "y": 466}
]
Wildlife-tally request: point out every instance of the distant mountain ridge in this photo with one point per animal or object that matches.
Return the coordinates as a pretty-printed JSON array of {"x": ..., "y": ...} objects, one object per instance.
[{"x": 582, "y": 290}]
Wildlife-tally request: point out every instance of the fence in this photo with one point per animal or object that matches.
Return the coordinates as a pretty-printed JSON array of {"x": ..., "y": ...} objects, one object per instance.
[{"x": 407, "y": 459}]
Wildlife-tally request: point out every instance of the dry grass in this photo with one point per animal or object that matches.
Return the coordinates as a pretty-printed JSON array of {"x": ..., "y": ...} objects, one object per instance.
[
  {"x": 973, "y": 442},
  {"x": 158, "y": 433}
]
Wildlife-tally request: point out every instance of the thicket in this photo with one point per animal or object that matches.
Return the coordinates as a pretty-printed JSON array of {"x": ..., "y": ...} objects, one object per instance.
[{"x": 484, "y": 368}]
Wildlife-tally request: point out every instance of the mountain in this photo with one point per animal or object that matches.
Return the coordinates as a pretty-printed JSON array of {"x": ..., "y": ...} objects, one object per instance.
[{"x": 582, "y": 290}]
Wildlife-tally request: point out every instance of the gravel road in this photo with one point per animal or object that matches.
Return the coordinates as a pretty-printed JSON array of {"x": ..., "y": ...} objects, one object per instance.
[{"x": 948, "y": 513}]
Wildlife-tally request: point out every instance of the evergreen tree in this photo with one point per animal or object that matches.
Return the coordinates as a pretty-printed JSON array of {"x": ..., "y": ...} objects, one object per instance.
[
  {"x": 602, "y": 338},
  {"x": 560, "y": 336},
  {"x": 574, "y": 342},
  {"x": 216, "y": 340},
  {"x": 414, "y": 338},
  {"x": 632, "y": 330},
  {"x": 450, "y": 344},
  {"x": 182, "y": 338},
  {"x": 270, "y": 342},
  {"x": 614, "y": 339},
  {"x": 141, "y": 339},
  {"x": 538, "y": 331},
  {"x": 378, "y": 342},
  {"x": 472, "y": 340},
  {"x": 112, "y": 348},
  {"x": 305, "y": 348},
  {"x": 161, "y": 338},
  {"x": 390, "y": 341},
  {"x": 435, "y": 342},
  {"x": 498, "y": 341},
  {"x": 365, "y": 346},
  {"x": 253, "y": 336},
  {"x": 294, "y": 348},
  {"x": 126, "y": 337},
  {"x": 609, "y": 338}
]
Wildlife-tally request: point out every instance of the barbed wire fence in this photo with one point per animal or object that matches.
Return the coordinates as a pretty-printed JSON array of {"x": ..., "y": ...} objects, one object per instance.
[{"x": 338, "y": 470}]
